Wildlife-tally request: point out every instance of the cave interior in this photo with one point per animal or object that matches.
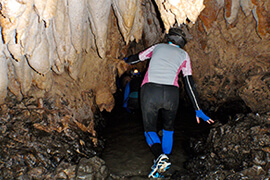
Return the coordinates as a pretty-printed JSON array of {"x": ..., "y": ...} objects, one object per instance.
[{"x": 60, "y": 65}]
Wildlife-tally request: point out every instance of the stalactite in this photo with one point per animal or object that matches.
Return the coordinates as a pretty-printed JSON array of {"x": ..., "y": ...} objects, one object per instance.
[
  {"x": 261, "y": 14},
  {"x": 99, "y": 22},
  {"x": 3, "y": 76},
  {"x": 45, "y": 39},
  {"x": 128, "y": 14},
  {"x": 209, "y": 14},
  {"x": 179, "y": 11},
  {"x": 231, "y": 10}
]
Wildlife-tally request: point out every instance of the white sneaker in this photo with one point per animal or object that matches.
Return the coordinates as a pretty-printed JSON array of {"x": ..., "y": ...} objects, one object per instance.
[{"x": 161, "y": 164}]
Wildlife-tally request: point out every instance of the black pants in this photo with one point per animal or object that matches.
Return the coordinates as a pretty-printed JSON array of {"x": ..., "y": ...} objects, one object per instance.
[{"x": 155, "y": 98}]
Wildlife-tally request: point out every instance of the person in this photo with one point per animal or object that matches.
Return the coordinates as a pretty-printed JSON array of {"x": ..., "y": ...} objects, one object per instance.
[
  {"x": 160, "y": 93},
  {"x": 131, "y": 91}
]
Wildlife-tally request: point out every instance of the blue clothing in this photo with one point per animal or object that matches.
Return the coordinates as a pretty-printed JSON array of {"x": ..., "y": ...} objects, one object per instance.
[{"x": 131, "y": 94}]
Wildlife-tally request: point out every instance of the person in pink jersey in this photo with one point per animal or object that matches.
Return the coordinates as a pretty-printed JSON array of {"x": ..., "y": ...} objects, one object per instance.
[{"x": 160, "y": 93}]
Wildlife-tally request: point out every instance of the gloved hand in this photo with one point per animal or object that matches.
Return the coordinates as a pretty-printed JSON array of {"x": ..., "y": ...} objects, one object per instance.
[
  {"x": 200, "y": 114},
  {"x": 132, "y": 59}
]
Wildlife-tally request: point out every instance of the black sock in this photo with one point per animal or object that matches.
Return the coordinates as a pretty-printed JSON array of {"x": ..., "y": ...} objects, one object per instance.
[{"x": 156, "y": 150}]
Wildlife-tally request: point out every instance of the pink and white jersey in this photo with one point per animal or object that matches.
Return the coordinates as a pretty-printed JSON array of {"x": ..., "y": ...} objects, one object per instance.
[{"x": 166, "y": 62}]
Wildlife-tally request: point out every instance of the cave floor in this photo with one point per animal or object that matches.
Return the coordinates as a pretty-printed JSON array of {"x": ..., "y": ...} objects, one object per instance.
[
  {"x": 47, "y": 143},
  {"x": 126, "y": 153}
]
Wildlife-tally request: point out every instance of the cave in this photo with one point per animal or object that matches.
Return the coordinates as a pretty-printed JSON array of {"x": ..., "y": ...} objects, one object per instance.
[{"x": 61, "y": 107}]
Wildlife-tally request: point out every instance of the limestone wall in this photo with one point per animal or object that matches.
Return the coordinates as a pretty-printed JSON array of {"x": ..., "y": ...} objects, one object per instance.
[
  {"x": 67, "y": 50},
  {"x": 230, "y": 52},
  {"x": 71, "y": 51}
]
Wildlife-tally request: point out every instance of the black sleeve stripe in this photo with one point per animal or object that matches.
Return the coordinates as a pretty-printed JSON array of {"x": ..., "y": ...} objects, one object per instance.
[{"x": 191, "y": 91}]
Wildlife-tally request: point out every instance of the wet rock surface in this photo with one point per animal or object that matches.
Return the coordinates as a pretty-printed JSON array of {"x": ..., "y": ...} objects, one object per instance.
[
  {"x": 39, "y": 142},
  {"x": 239, "y": 149}
]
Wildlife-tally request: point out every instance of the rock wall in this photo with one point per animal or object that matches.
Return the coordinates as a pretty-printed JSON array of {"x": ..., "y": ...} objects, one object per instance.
[
  {"x": 230, "y": 52},
  {"x": 71, "y": 50}
]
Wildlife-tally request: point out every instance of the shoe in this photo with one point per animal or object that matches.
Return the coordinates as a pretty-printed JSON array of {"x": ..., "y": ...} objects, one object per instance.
[{"x": 161, "y": 164}]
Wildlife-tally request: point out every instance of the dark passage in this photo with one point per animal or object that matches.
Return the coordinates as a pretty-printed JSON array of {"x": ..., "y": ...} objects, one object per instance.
[{"x": 127, "y": 154}]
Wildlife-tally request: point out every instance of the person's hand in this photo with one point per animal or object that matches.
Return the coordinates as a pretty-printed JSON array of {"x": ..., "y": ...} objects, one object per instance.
[{"x": 200, "y": 114}]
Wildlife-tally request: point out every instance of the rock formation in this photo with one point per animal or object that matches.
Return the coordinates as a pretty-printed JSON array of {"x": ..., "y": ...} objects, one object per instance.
[
  {"x": 59, "y": 61},
  {"x": 230, "y": 52},
  {"x": 68, "y": 49}
]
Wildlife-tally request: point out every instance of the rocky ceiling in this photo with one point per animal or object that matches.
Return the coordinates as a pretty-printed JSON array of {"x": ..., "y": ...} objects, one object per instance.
[{"x": 70, "y": 51}]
